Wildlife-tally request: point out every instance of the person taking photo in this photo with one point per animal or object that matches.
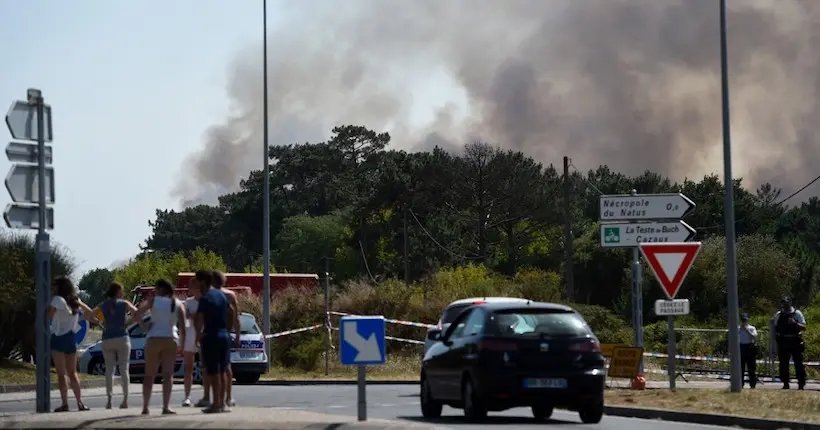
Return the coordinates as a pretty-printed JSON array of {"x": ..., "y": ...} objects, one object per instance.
[{"x": 789, "y": 325}]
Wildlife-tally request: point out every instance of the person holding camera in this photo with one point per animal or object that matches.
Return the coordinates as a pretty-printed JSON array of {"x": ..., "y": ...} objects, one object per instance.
[
  {"x": 747, "y": 336},
  {"x": 789, "y": 325}
]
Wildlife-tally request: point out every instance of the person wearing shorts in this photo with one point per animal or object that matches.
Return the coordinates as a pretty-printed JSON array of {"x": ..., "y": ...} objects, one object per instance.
[
  {"x": 190, "y": 349},
  {"x": 218, "y": 281},
  {"x": 162, "y": 342},
  {"x": 63, "y": 311},
  {"x": 212, "y": 318}
]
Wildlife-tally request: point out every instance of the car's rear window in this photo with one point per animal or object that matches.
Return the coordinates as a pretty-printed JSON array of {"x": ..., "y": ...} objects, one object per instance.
[
  {"x": 247, "y": 325},
  {"x": 452, "y": 312},
  {"x": 531, "y": 322}
]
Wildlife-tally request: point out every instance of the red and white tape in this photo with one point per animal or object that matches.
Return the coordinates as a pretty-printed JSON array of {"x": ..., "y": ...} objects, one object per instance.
[
  {"x": 397, "y": 339},
  {"x": 294, "y": 331},
  {"x": 388, "y": 320}
]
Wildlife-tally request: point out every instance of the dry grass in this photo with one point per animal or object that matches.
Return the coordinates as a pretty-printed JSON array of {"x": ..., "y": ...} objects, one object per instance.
[
  {"x": 398, "y": 368},
  {"x": 17, "y": 372},
  {"x": 774, "y": 404}
]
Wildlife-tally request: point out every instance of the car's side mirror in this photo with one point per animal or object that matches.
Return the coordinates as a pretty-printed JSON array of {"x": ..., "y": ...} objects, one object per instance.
[
  {"x": 447, "y": 342},
  {"x": 434, "y": 335}
]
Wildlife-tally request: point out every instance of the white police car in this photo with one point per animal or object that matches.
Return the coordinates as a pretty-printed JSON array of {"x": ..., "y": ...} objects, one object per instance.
[{"x": 248, "y": 362}]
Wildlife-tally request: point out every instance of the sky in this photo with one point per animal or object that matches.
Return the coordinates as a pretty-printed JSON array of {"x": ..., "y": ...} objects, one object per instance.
[{"x": 133, "y": 88}]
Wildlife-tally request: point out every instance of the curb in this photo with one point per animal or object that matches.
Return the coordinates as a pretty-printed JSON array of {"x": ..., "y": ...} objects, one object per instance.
[
  {"x": 288, "y": 382},
  {"x": 19, "y": 388},
  {"x": 707, "y": 419}
]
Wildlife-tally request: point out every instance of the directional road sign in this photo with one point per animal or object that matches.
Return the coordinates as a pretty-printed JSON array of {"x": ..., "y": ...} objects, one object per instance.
[
  {"x": 362, "y": 340},
  {"x": 23, "y": 183},
  {"x": 665, "y": 308},
  {"x": 79, "y": 335},
  {"x": 670, "y": 262},
  {"x": 22, "y": 121},
  {"x": 645, "y": 207},
  {"x": 631, "y": 234},
  {"x": 27, "y": 217},
  {"x": 19, "y": 152}
]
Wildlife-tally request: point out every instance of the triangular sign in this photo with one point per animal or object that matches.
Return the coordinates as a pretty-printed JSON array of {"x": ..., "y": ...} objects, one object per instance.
[{"x": 670, "y": 262}]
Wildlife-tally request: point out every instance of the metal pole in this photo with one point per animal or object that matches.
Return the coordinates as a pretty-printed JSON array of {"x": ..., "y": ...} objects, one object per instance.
[
  {"x": 637, "y": 298},
  {"x": 568, "y": 270},
  {"x": 672, "y": 351},
  {"x": 327, "y": 316},
  {"x": 406, "y": 257},
  {"x": 362, "y": 393},
  {"x": 266, "y": 186},
  {"x": 736, "y": 384},
  {"x": 772, "y": 349},
  {"x": 43, "y": 272}
]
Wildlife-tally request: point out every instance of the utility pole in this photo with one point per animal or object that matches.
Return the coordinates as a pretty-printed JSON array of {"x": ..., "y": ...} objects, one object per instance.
[
  {"x": 568, "y": 269},
  {"x": 327, "y": 315},
  {"x": 406, "y": 257},
  {"x": 736, "y": 371},
  {"x": 266, "y": 184}
]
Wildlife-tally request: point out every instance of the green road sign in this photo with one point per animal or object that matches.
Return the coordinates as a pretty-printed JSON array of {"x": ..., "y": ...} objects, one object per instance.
[{"x": 612, "y": 234}]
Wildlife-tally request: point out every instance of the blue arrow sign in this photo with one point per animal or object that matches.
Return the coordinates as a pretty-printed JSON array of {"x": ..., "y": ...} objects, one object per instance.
[
  {"x": 362, "y": 340},
  {"x": 79, "y": 335}
]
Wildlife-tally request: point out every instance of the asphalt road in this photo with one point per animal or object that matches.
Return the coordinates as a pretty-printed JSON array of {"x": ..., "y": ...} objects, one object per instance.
[{"x": 384, "y": 401}]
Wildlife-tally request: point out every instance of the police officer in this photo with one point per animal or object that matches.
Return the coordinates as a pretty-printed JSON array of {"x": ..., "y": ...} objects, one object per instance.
[
  {"x": 789, "y": 324},
  {"x": 747, "y": 335}
]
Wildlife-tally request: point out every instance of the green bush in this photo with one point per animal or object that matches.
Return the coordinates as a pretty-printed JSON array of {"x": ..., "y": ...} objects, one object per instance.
[{"x": 17, "y": 292}]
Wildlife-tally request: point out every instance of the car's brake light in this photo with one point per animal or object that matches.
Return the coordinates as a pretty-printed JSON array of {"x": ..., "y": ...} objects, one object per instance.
[
  {"x": 587, "y": 345},
  {"x": 496, "y": 345},
  {"x": 479, "y": 302}
]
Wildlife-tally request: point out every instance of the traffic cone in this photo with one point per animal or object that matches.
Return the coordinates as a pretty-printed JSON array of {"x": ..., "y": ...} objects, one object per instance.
[{"x": 639, "y": 382}]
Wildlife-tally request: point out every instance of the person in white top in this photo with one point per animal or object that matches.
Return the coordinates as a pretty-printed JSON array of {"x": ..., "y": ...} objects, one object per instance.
[
  {"x": 747, "y": 336},
  {"x": 166, "y": 334},
  {"x": 64, "y": 313},
  {"x": 190, "y": 348}
]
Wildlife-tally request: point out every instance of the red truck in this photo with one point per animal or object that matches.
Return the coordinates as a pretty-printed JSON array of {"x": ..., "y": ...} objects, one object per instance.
[
  {"x": 254, "y": 281},
  {"x": 247, "y": 283}
]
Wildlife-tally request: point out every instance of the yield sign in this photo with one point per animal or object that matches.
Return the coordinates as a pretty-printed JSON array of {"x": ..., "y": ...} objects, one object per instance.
[{"x": 670, "y": 262}]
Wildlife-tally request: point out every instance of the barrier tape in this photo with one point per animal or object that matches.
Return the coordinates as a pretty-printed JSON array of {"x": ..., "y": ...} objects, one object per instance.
[
  {"x": 721, "y": 376},
  {"x": 714, "y": 359},
  {"x": 397, "y": 339},
  {"x": 294, "y": 331},
  {"x": 388, "y": 320}
]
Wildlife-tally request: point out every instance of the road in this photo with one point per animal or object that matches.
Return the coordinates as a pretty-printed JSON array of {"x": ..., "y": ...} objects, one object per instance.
[{"x": 384, "y": 401}]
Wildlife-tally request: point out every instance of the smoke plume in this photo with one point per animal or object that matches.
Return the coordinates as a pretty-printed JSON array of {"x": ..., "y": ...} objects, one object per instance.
[{"x": 634, "y": 84}]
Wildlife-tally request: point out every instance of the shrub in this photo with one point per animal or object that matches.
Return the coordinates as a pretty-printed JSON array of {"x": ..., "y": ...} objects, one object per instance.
[{"x": 17, "y": 290}]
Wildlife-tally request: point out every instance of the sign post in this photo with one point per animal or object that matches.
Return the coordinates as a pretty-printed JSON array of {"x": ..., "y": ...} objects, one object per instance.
[
  {"x": 670, "y": 262},
  {"x": 31, "y": 187},
  {"x": 362, "y": 342},
  {"x": 629, "y": 220}
]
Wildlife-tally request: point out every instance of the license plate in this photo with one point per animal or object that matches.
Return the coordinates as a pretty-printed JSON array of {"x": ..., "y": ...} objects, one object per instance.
[
  {"x": 247, "y": 355},
  {"x": 555, "y": 383}
]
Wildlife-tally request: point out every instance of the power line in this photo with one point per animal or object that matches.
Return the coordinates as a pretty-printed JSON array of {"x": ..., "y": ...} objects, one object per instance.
[
  {"x": 452, "y": 254},
  {"x": 366, "y": 266}
]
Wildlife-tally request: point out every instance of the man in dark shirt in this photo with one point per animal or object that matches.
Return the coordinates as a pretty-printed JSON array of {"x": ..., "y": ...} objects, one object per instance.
[{"x": 212, "y": 327}]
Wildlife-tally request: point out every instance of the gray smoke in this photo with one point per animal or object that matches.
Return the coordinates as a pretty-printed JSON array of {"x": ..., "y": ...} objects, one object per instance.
[{"x": 634, "y": 84}]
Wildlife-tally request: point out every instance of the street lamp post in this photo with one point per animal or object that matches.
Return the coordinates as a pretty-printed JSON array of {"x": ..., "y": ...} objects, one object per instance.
[
  {"x": 266, "y": 186},
  {"x": 736, "y": 382}
]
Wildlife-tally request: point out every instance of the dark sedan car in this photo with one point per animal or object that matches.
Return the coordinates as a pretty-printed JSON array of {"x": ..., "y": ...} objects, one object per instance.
[{"x": 495, "y": 357}]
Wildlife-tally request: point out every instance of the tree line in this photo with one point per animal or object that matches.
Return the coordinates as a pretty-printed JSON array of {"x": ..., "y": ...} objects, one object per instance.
[{"x": 381, "y": 213}]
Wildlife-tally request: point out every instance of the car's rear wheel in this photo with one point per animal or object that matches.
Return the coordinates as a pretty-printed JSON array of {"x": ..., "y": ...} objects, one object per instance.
[
  {"x": 542, "y": 412},
  {"x": 96, "y": 367},
  {"x": 473, "y": 410},
  {"x": 430, "y": 408},
  {"x": 247, "y": 378},
  {"x": 591, "y": 414}
]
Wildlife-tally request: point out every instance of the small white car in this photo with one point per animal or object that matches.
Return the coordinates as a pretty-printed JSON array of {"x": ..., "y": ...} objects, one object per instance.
[
  {"x": 248, "y": 362},
  {"x": 454, "y": 309}
]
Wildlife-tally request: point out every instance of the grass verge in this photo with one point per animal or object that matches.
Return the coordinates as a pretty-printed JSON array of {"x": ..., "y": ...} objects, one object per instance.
[
  {"x": 16, "y": 372},
  {"x": 397, "y": 368},
  {"x": 789, "y": 405}
]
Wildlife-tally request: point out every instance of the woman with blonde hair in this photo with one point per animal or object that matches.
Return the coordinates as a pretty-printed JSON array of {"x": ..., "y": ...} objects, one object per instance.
[
  {"x": 116, "y": 344},
  {"x": 63, "y": 311},
  {"x": 166, "y": 335}
]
